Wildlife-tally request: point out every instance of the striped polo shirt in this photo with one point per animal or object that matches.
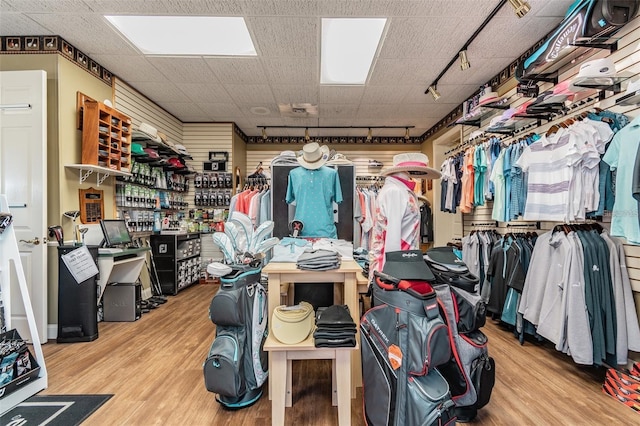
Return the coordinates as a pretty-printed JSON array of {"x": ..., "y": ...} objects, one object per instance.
[{"x": 549, "y": 163}]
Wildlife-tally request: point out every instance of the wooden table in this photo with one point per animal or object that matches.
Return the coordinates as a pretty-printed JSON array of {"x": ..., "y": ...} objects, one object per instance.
[
  {"x": 280, "y": 358},
  {"x": 345, "y": 276}
]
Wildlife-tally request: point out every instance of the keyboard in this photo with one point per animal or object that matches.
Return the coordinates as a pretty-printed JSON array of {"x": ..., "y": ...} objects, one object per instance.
[{"x": 109, "y": 250}]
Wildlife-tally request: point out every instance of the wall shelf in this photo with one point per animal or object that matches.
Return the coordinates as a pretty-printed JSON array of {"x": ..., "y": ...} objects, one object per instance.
[{"x": 102, "y": 173}]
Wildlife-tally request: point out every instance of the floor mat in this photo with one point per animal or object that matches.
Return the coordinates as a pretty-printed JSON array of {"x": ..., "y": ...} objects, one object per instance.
[{"x": 54, "y": 410}]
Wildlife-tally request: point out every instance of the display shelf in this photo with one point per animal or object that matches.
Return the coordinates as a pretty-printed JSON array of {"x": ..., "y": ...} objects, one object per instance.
[
  {"x": 106, "y": 136},
  {"x": 102, "y": 173},
  {"x": 161, "y": 147},
  {"x": 630, "y": 99},
  {"x": 475, "y": 118},
  {"x": 501, "y": 104},
  {"x": 177, "y": 261},
  {"x": 606, "y": 84},
  {"x": 574, "y": 53}
]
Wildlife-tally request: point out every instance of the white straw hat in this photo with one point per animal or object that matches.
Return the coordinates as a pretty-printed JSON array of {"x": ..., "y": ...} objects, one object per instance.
[
  {"x": 415, "y": 164},
  {"x": 148, "y": 131},
  {"x": 313, "y": 156}
]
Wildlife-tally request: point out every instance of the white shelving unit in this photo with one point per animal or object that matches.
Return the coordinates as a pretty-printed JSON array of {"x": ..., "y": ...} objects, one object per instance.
[{"x": 9, "y": 253}]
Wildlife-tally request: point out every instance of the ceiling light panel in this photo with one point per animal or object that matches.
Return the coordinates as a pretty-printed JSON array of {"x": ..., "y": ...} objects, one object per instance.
[
  {"x": 186, "y": 35},
  {"x": 349, "y": 46}
]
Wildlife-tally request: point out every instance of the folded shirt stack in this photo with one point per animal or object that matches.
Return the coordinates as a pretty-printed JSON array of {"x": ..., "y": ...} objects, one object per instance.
[
  {"x": 318, "y": 260},
  {"x": 334, "y": 328}
]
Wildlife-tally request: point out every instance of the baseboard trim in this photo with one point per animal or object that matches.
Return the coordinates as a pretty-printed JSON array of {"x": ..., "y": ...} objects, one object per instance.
[{"x": 52, "y": 331}]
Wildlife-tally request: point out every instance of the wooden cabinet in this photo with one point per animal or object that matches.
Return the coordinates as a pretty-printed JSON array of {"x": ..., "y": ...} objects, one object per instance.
[{"x": 106, "y": 137}]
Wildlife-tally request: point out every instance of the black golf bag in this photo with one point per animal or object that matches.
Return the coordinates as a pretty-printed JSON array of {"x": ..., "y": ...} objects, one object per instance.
[
  {"x": 236, "y": 366},
  {"x": 403, "y": 340},
  {"x": 470, "y": 372}
]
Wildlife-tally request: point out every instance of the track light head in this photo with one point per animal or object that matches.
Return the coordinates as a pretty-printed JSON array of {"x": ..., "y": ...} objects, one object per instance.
[
  {"x": 264, "y": 133},
  {"x": 306, "y": 134},
  {"x": 434, "y": 92},
  {"x": 407, "y": 136},
  {"x": 369, "y": 135},
  {"x": 520, "y": 7},
  {"x": 464, "y": 61}
]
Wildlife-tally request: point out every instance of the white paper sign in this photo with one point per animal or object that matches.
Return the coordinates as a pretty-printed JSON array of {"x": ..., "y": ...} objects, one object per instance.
[{"x": 80, "y": 264}]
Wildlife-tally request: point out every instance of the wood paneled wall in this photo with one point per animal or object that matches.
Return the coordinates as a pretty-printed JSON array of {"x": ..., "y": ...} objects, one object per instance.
[
  {"x": 199, "y": 139},
  {"x": 143, "y": 110}
]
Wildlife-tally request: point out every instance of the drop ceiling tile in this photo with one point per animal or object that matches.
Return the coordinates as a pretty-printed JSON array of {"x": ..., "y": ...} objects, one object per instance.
[
  {"x": 267, "y": 121},
  {"x": 427, "y": 37},
  {"x": 545, "y": 8},
  {"x": 285, "y": 37},
  {"x": 340, "y": 122},
  {"x": 456, "y": 93},
  {"x": 290, "y": 121},
  {"x": 238, "y": 70},
  {"x": 411, "y": 71},
  {"x": 263, "y": 110},
  {"x": 6, "y": 6},
  {"x": 481, "y": 71},
  {"x": 187, "y": 111},
  {"x": 48, "y": 6},
  {"x": 384, "y": 94},
  {"x": 377, "y": 111},
  {"x": 416, "y": 95},
  {"x": 301, "y": 71},
  {"x": 341, "y": 94},
  {"x": 193, "y": 70},
  {"x": 160, "y": 92},
  {"x": 88, "y": 32},
  {"x": 418, "y": 131},
  {"x": 338, "y": 110},
  {"x": 19, "y": 24},
  {"x": 280, "y": 7},
  {"x": 407, "y": 8},
  {"x": 158, "y": 7},
  {"x": 250, "y": 93},
  {"x": 422, "y": 36},
  {"x": 130, "y": 68},
  {"x": 295, "y": 94},
  {"x": 499, "y": 39},
  {"x": 205, "y": 92},
  {"x": 220, "y": 112}
]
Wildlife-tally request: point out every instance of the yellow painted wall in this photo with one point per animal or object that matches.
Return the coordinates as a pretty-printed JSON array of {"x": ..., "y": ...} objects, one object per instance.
[{"x": 64, "y": 79}]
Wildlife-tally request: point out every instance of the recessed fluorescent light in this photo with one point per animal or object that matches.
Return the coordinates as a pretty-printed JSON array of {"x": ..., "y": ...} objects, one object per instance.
[
  {"x": 186, "y": 35},
  {"x": 348, "y": 48}
]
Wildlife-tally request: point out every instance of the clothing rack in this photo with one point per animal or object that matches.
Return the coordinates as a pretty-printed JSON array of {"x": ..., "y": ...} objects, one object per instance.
[
  {"x": 494, "y": 224},
  {"x": 253, "y": 181},
  {"x": 369, "y": 178},
  {"x": 524, "y": 225}
]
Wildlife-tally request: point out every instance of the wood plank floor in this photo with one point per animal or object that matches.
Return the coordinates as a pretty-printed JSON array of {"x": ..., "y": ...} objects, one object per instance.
[{"x": 154, "y": 369}]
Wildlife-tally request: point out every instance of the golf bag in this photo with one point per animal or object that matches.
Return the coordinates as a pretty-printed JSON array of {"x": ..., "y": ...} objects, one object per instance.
[
  {"x": 403, "y": 340},
  {"x": 470, "y": 372},
  {"x": 236, "y": 366}
]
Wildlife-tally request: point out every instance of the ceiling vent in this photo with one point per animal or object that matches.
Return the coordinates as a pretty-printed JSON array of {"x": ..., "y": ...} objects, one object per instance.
[{"x": 298, "y": 110}]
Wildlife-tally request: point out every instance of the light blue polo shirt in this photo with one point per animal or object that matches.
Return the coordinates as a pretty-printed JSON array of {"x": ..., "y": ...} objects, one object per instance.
[
  {"x": 314, "y": 192},
  {"x": 621, "y": 156}
]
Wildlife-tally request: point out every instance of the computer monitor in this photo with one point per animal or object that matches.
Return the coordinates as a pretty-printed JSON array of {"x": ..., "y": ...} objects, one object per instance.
[{"x": 115, "y": 232}]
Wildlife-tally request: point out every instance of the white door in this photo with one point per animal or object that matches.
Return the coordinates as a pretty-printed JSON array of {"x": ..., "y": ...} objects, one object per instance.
[{"x": 23, "y": 172}]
